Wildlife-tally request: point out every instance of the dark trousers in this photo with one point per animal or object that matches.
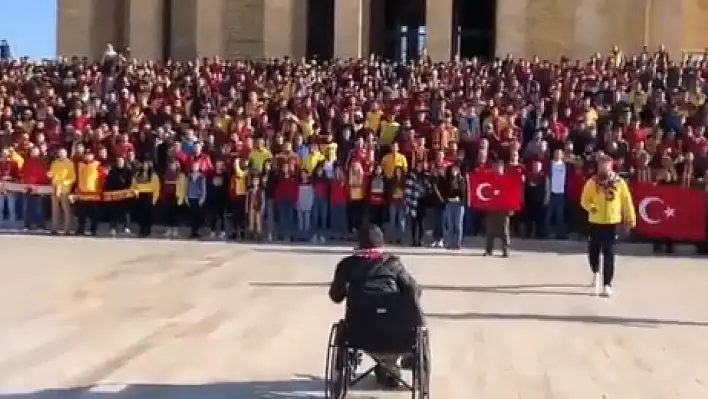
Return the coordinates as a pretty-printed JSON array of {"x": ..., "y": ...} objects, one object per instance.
[
  {"x": 377, "y": 215},
  {"x": 216, "y": 214},
  {"x": 171, "y": 213},
  {"x": 118, "y": 213},
  {"x": 196, "y": 216},
  {"x": 355, "y": 214},
  {"x": 438, "y": 218},
  {"x": 418, "y": 226},
  {"x": 143, "y": 212},
  {"x": 86, "y": 211},
  {"x": 602, "y": 242}
]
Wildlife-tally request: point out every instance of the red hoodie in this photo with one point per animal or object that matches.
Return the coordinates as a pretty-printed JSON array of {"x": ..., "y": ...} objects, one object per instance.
[
  {"x": 286, "y": 189},
  {"x": 338, "y": 192},
  {"x": 8, "y": 169},
  {"x": 34, "y": 171}
]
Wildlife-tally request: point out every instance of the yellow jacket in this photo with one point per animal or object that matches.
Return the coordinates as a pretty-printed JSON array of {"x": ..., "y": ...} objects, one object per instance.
[
  {"x": 605, "y": 206},
  {"x": 63, "y": 174},
  {"x": 393, "y": 160},
  {"x": 89, "y": 179},
  {"x": 311, "y": 160},
  {"x": 151, "y": 187}
]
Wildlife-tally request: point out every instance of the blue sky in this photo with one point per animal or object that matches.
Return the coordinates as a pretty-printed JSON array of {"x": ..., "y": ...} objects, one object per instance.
[{"x": 30, "y": 26}]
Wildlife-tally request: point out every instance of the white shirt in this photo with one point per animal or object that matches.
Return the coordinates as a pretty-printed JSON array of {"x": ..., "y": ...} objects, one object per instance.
[{"x": 557, "y": 177}]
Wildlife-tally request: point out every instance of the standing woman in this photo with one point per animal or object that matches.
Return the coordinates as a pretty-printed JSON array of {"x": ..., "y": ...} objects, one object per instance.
[
  {"x": 119, "y": 178},
  {"x": 305, "y": 201},
  {"x": 195, "y": 198},
  {"x": 417, "y": 187},
  {"x": 395, "y": 190},
  {"x": 268, "y": 184},
  {"x": 376, "y": 207},
  {"x": 608, "y": 202},
  {"x": 455, "y": 197},
  {"x": 320, "y": 183},
  {"x": 147, "y": 188},
  {"x": 237, "y": 188},
  {"x": 357, "y": 195},
  {"x": 172, "y": 197},
  {"x": 217, "y": 199}
]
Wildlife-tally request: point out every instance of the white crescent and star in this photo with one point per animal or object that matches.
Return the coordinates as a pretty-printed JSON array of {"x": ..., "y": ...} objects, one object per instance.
[
  {"x": 669, "y": 212},
  {"x": 480, "y": 194}
]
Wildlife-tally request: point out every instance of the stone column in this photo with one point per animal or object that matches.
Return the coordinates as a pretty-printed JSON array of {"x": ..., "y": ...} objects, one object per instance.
[
  {"x": 438, "y": 21},
  {"x": 511, "y": 41},
  {"x": 349, "y": 28},
  {"x": 145, "y": 27},
  {"x": 285, "y": 28},
  {"x": 74, "y": 27}
]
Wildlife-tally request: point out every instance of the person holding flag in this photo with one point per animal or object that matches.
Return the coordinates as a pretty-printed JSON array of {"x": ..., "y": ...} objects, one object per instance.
[{"x": 608, "y": 201}]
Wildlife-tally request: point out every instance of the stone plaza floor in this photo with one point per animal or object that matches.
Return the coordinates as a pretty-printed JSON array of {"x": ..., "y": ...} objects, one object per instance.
[{"x": 84, "y": 318}]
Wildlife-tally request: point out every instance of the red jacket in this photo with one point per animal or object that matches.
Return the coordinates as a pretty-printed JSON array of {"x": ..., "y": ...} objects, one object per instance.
[
  {"x": 8, "y": 169},
  {"x": 286, "y": 188},
  {"x": 34, "y": 171},
  {"x": 338, "y": 192},
  {"x": 321, "y": 187},
  {"x": 204, "y": 162}
]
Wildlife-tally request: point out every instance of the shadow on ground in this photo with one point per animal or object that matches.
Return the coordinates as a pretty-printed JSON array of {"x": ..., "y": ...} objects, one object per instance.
[
  {"x": 520, "y": 289},
  {"x": 586, "y": 319},
  {"x": 515, "y": 289},
  {"x": 474, "y": 247},
  {"x": 299, "y": 387}
]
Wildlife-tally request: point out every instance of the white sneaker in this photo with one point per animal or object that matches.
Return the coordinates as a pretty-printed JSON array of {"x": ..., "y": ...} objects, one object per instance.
[
  {"x": 607, "y": 291},
  {"x": 127, "y": 231},
  {"x": 175, "y": 232},
  {"x": 114, "y": 232},
  {"x": 222, "y": 235},
  {"x": 596, "y": 283},
  {"x": 212, "y": 235},
  {"x": 323, "y": 239}
]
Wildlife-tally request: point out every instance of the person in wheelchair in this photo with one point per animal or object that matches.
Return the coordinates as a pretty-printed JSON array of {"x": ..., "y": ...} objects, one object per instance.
[{"x": 365, "y": 279}]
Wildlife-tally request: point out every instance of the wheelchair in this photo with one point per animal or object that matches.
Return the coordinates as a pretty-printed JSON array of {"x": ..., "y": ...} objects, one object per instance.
[{"x": 373, "y": 331}]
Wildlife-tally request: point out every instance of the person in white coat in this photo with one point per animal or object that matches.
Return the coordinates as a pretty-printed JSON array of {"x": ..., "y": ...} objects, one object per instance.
[{"x": 305, "y": 201}]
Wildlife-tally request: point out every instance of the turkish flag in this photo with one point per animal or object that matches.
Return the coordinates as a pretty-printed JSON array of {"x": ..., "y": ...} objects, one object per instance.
[
  {"x": 670, "y": 212},
  {"x": 490, "y": 191}
]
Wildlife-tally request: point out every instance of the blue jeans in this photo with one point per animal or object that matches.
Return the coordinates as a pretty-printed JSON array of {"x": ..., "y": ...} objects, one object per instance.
[
  {"x": 286, "y": 217},
  {"x": 269, "y": 225},
  {"x": 8, "y": 201},
  {"x": 34, "y": 211},
  {"x": 338, "y": 220},
  {"x": 555, "y": 215},
  {"x": 454, "y": 224},
  {"x": 470, "y": 220},
  {"x": 397, "y": 221},
  {"x": 319, "y": 215},
  {"x": 303, "y": 224}
]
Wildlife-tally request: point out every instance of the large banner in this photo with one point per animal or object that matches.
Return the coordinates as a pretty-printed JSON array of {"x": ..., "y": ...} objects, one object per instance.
[
  {"x": 670, "y": 212},
  {"x": 491, "y": 192}
]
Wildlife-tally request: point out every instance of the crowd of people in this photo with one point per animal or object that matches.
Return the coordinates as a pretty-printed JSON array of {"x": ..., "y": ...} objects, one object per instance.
[{"x": 312, "y": 150}]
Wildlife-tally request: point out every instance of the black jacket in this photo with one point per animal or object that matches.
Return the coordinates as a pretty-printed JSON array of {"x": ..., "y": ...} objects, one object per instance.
[
  {"x": 358, "y": 277},
  {"x": 118, "y": 179}
]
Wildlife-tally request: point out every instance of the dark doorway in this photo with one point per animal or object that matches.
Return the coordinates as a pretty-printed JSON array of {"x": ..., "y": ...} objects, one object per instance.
[
  {"x": 474, "y": 28},
  {"x": 320, "y": 29},
  {"x": 167, "y": 30},
  {"x": 397, "y": 28}
]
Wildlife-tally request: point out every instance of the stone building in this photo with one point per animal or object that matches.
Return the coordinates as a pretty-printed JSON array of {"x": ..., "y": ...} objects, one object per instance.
[{"x": 185, "y": 29}]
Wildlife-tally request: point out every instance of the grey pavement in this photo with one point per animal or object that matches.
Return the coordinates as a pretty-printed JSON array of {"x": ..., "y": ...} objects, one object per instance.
[{"x": 126, "y": 318}]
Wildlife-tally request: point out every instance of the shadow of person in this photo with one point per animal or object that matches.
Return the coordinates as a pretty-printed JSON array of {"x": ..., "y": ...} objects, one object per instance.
[
  {"x": 300, "y": 386},
  {"x": 512, "y": 289},
  {"x": 637, "y": 322}
]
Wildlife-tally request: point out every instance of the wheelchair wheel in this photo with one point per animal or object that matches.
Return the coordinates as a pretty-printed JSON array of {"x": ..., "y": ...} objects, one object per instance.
[
  {"x": 337, "y": 367},
  {"x": 422, "y": 368}
]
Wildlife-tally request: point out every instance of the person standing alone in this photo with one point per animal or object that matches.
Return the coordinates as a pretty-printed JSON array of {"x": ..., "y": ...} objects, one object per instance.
[{"x": 608, "y": 202}]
